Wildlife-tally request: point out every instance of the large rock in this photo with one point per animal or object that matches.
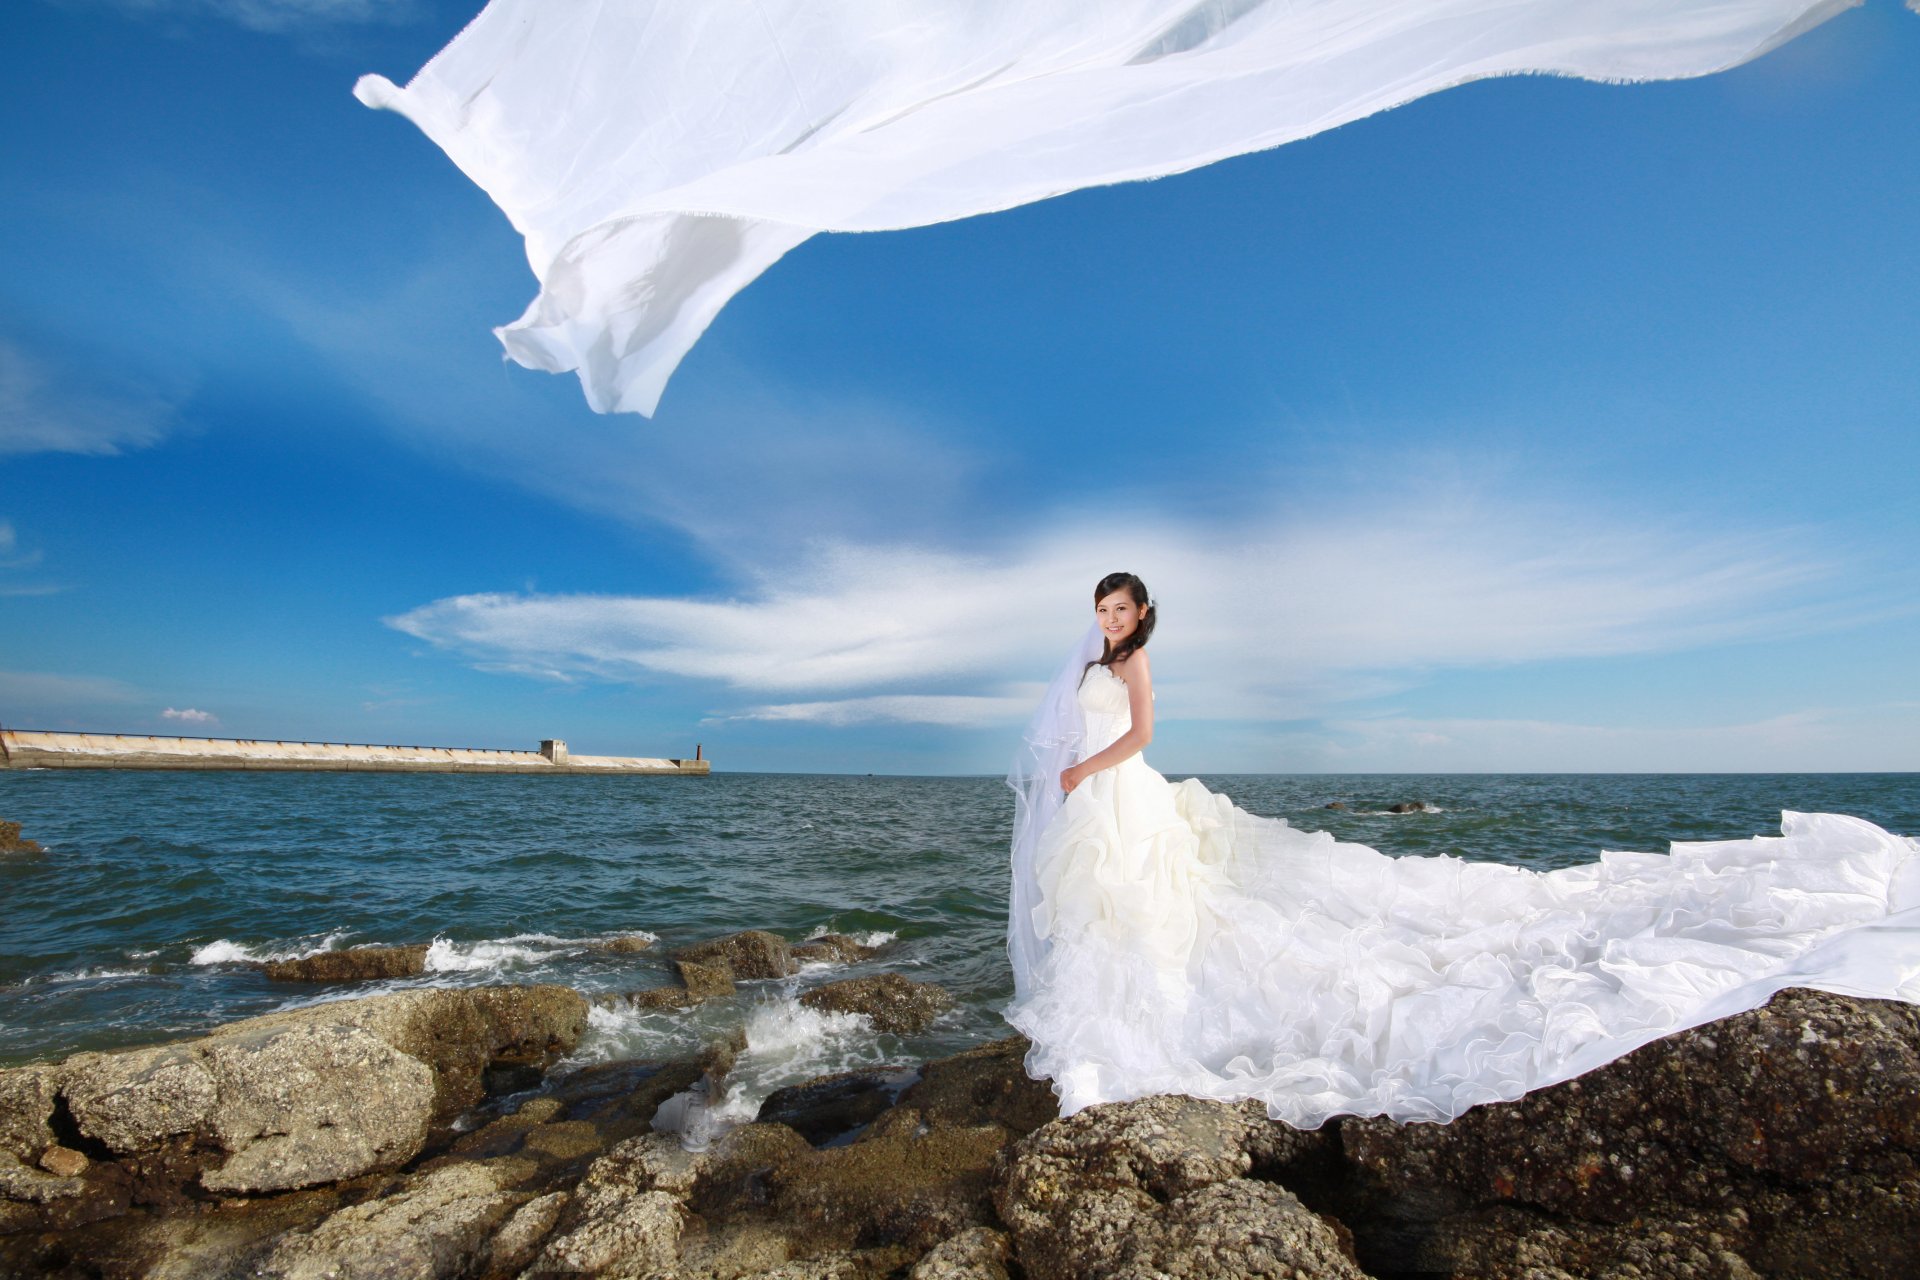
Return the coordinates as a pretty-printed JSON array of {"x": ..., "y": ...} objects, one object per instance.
[
  {"x": 356, "y": 964},
  {"x": 749, "y": 954},
  {"x": 269, "y": 1104},
  {"x": 891, "y": 1002},
  {"x": 1158, "y": 1187}
]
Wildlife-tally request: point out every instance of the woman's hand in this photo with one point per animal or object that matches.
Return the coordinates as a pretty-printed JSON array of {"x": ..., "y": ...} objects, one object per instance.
[{"x": 1070, "y": 778}]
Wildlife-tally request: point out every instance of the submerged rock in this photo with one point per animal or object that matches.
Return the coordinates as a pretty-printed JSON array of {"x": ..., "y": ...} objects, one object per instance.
[
  {"x": 830, "y": 1107},
  {"x": 356, "y": 964},
  {"x": 11, "y": 841},
  {"x": 836, "y": 948},
  {"x": 893, "y": 1003},
  {"x": 1409, "y": 806},
  {"x": 623, "y": 944}
]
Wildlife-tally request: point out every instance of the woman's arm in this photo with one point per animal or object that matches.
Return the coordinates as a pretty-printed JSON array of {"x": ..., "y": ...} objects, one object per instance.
[{"x": 1139, "y": 706}]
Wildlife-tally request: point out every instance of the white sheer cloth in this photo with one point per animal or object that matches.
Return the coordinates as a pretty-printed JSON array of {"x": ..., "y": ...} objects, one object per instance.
[
  {"x": 1052, "y": 742},
  {"x": 1188, "y": 946},
  {"x": 658, "y": 155}
]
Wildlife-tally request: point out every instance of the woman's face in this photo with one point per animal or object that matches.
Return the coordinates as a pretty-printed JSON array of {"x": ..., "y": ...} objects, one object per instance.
[{"x": 1118, "y": 615}]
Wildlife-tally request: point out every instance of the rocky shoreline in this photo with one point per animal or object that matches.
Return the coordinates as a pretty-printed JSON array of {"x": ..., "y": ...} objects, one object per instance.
[{"x": 423, "y": 1133}]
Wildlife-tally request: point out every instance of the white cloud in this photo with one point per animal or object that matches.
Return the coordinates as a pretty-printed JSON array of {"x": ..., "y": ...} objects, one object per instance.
[
  {"x": 44, "y": 412},
  {"x": 1267, "y": 620},
  {"x": 189, "y": 715},
  {"x": 11, "y": 555}
]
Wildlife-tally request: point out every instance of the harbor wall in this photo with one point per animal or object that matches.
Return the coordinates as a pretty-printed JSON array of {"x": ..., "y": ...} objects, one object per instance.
[{"x": 45, "y": 749}]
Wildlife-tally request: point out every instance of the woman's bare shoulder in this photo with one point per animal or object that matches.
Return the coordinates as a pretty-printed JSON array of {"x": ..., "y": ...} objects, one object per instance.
[{"x": 1133, "y": 665}]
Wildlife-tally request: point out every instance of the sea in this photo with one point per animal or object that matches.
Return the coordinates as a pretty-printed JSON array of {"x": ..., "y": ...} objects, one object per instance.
[{"x": 158, "y": 892}]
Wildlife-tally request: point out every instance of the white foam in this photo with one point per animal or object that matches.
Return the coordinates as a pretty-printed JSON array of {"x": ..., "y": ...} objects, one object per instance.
[
  {"x": 223, "y": 951},
  {"x": 788, "y": 1042},
  {"x": 444, "y": 956},
  {"x": 871, "y": 938},
  {"x": 86, "y": 975}
]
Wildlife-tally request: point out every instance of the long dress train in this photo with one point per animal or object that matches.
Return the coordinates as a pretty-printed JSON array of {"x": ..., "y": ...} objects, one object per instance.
[{"x": 1195, "y": 948}]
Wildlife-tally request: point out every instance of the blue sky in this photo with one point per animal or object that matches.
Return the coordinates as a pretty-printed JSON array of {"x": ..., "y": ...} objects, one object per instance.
[{"x": 1538, "y": 424}]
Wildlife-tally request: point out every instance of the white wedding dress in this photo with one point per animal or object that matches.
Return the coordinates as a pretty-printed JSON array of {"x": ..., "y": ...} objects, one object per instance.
[{"x": 1192, "y": 947}]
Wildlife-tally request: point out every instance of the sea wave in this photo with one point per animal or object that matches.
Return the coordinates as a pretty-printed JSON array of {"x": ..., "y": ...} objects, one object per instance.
[{"x": 226, "y": 951}]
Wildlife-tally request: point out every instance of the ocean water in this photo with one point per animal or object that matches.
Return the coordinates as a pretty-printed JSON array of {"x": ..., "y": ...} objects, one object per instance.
[{"x": 157, "y": 889}]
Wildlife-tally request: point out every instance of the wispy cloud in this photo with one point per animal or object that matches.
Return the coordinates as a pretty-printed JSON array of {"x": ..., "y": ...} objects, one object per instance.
[
  {"x": 189, "y": 715},
  {"x": 12, "y": 556},
  {"x": 1267, "y": 620},
  {"x": 45, "y": 409},
  {"x": 282, "y": 15}
]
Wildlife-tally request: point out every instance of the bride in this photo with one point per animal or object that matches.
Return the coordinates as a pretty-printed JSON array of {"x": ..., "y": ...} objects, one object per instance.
[{"x": 1165, "y": 941}]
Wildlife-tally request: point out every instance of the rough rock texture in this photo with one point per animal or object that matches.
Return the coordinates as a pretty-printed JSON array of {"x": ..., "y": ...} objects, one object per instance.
[
  {"x": 437, "y": 1227},
  {"x": 893, "y": 1003},
  {"x": 1408, "y": 806},
  {"x": 978, "y": 1253},
  {"x": 26, "y": 1108},
  {"x": 1160, "y": 1187},
  {"x": 295, "y": 1099},
  {"x": 704, "y": 981},
  {"x": 11, "y": 841},
  {"x": 1777, "y": 1144},
  {"x": 749, "y": 954},
  {"x": 356, "y": 964},
  {"x": 833, "y": 948}
]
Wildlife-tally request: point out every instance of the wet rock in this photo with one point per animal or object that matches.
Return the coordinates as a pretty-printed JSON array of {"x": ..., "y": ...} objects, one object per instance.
[
  {"x": 833, "y": 1106},
  {"x": 835, "y": 948},
  {"x": 978, "y": 1253},
  {"x": 893, "y": 1003},
  {"x": 704, "y": 981},
  {"x": 749, "y": 954},
  {"x": 1155, "y": 1187},
  {"x": 11, "y": 841},
  {"x": 987, "y": 1084},
  {"x": 1409, "y": 806},
  {"x": 648, "y": 998},
  {"x": 36, "y": 1186},
  {"x": 905, "y": 1182},
  {"x": 1512, "y": 1243},
  {"x": 436, "y": 1226},
  {"x": 843, "y": 1264},
  {"x": 357, "y": 964},
  {"x": 1337, "y": 804}
]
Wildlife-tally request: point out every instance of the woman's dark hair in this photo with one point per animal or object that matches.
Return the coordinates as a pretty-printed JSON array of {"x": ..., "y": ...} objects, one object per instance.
[{"x": 1130, "y": 582}]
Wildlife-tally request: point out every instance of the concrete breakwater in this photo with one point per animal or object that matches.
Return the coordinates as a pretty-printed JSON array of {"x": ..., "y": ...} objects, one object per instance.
[{"x": 44, "y": 749}]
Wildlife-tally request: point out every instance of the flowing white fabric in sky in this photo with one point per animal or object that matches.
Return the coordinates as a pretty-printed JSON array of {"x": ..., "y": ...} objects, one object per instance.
[{"x": 658, "y": 155}]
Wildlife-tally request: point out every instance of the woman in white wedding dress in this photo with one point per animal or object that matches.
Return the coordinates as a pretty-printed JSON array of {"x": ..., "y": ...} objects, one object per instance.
[{"x": 1165, "y": 941}]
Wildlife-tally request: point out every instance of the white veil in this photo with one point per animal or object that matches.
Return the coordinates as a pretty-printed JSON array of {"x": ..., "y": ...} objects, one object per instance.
[{"x": 1052, "y": 743}]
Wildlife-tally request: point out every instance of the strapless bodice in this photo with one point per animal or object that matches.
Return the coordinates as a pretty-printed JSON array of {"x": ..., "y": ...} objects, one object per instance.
[{"x": 1103, "y": 696}]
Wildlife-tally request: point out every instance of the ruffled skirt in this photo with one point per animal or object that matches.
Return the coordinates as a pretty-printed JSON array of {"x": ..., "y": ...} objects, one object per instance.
[{"x": 1196, "y": 948}]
